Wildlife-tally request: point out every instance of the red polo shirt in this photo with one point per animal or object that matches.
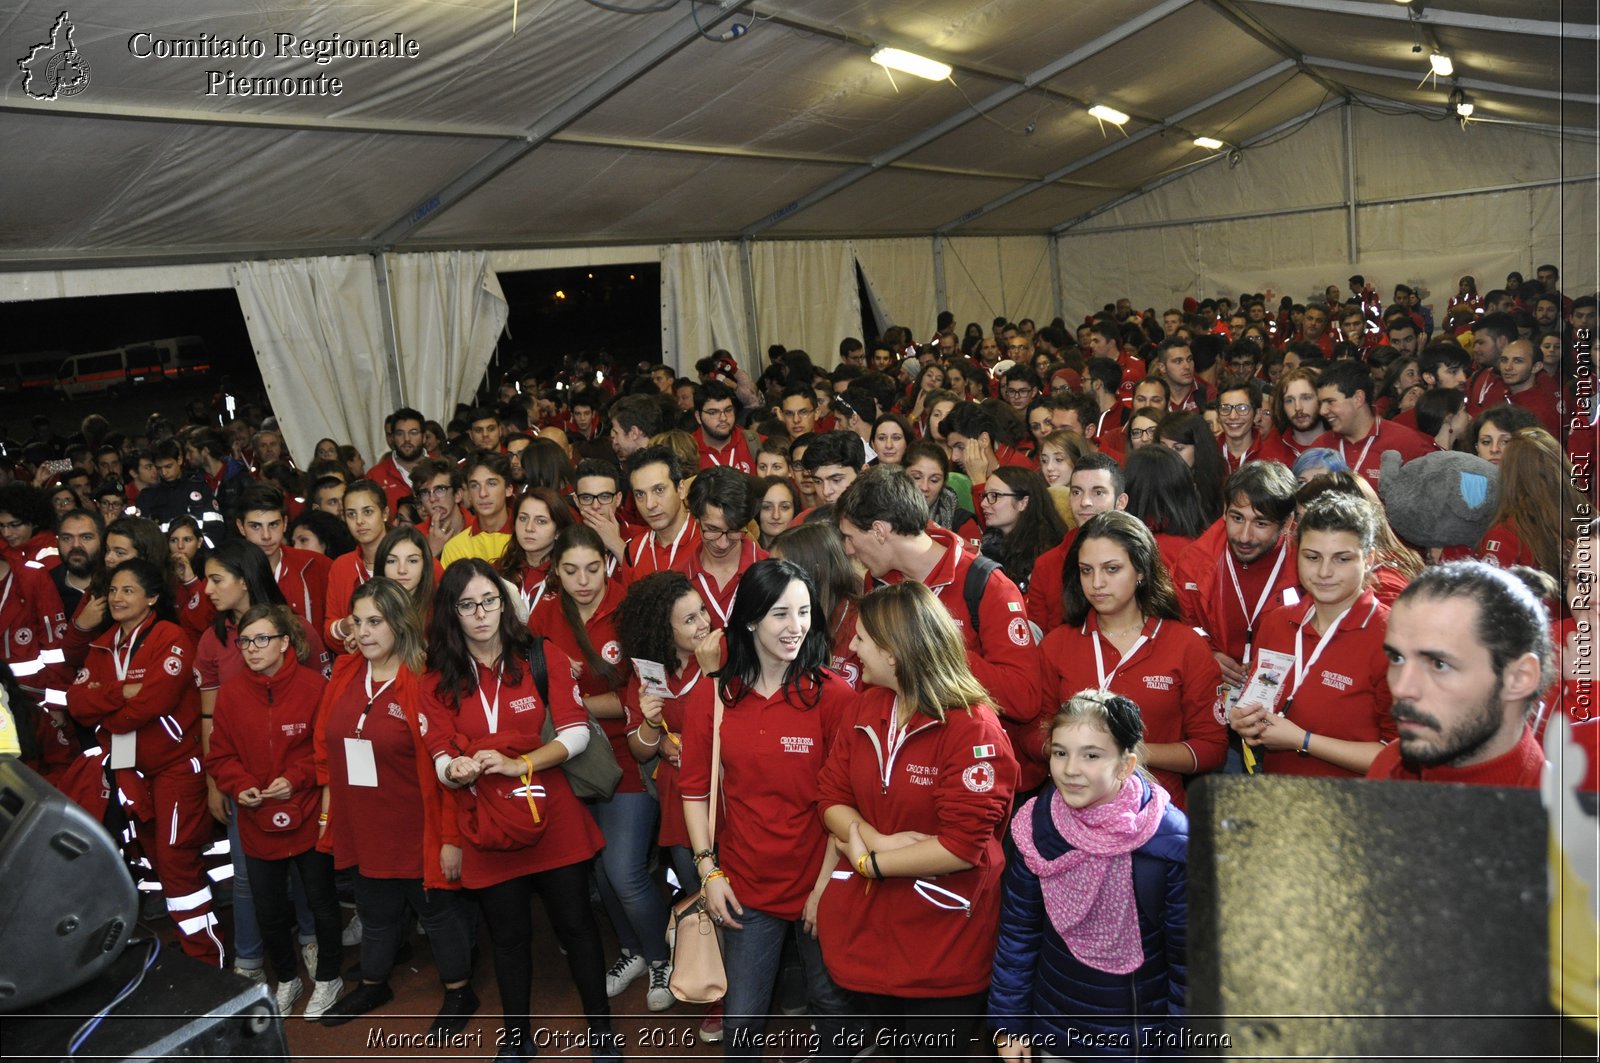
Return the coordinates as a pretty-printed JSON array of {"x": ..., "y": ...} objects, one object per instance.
[
  {"x": 1521, "y": 766},
  {"x": 1366, "y": 454},
  {"x": 645, "y": 555},
  {"x": 1345, "y": 692},
  {"x": 718, "y": 598},
  {"x": 1208, "y": 598},
  {"x": 1172, "y": 677},
  {"x": 770, "y": 839}
]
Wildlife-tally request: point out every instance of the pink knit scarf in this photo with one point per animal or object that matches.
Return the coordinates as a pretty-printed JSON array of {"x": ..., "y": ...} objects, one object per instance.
[{"x": 1088, "y": 890}]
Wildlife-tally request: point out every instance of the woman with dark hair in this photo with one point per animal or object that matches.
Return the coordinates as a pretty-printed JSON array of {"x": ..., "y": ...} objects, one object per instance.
[
  {"x": 915, "y": 793},
  {"x": 1121, "y": 626},
  {"x": 1442, "y": 414},
  {"x": 771, "y": 859},
  {"x": 352, "y": 461},
  {"x": 780, "y": 501},
  {"x": 936, "y": 406},
  {"x": 1188, "y": 435},
  {"x": 263, "y": 757},
  {"x": 404, "y": 557},
  {"x": 928, "y": 389},
  {"x": 1161, "y": 493},
  {"x": 1020, "y": 521},
  {"x": 928, "y": 466},
  {"x": 376, "y": 764},
  {"x": 819, "y": 549},
  {"x": 1492, "y": 430},
  {"x": 321, "y": 533},
  {"x": 545, "y": 464},
  {"x": 891, "y": 434},
  {"x": 325, "y": 450},
  {"x": 125, "y": 538},
  {"x": 541, "y": 514},
  {"x": 186, "y": 558},
  {"x": 1395, "y": 394},
  {"x": 1537, "y": 501},
  {"x": 366, "y": 507},
  {"x": 138, "y": 690},
  {"x": 483, "y": 694}
]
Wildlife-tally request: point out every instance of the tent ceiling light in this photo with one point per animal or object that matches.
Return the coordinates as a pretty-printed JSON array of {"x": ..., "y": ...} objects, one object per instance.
[
  {"x": 1441, "y": 64},
  {"x": 911, "y": 63},
  {"x": 1209, "y": 143},
  {"x": 1464, "y": 108},
  {"x": 1108, "y": 114}
]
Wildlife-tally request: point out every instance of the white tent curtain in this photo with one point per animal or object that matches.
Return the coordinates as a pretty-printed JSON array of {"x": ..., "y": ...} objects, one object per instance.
[
  {"x": 899, "y": 276},
  {"x": 702, "y": 305},
  {"x": 449, "y": 312},
  {"x": 986, "y": 277},
  {"x": 806, "y": 296},
  {"x": 318, "y": 337}
]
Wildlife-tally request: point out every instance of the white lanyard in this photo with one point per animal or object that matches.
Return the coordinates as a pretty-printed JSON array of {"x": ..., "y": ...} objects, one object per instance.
[
  {"x": 1355, "y": 466},
  {"x": 711, "y": 596},
  {"x": 897, "y": 739},
  {"x": 532, "y": 600},
  {"x": 371, "y": 697},
  {"x": 1483, "y": 392},
  {"x": 11, "y": 579},
  {"x": 690, "y": 684},
  {"x": 121, "y": 664},
  {"x": 672, "y": 555},
  {"x": 1100, "y": 661},
  {"x": 491, "y": 709},
  {"x": 1250, "y": 617},
  {"x": 1301, "y": 669}
]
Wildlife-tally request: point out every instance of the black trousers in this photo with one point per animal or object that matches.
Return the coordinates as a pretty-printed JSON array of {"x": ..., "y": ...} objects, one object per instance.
[
  {"x": 381, "y": 902},
  {"x": 275, "y": 915},
  {"x": 944, "y": 1028},
  {"x": 507, "y": 910}
]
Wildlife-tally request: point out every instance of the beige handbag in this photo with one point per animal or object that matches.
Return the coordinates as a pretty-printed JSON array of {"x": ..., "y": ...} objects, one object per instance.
[{"x": 698, "y": 976}]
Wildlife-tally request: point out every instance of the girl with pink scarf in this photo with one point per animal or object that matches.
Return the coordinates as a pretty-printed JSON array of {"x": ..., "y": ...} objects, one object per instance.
[{"x": 1090, "y": 960}]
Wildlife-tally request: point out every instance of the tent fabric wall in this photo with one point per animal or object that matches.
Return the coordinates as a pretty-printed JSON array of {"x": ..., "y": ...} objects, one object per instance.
[
  {"x": 76, "y": 283},
  {"x": 899, "y": 276},
  {"x": 702, "y": 305},
  {"x": 986, "y": 277},
  {"x": 1198, "y": 237},
  {"x": 806, "y": 295},
  {"x": 318, "y": 336},
  {"x": 449, "y": 312}
]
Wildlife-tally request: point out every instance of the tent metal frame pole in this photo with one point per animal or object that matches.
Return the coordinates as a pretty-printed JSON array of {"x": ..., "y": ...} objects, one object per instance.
[
  {"x": 1387, "y": 201},
  {"x": 969, "y": 113},
  {"x": 1347, "y": 120},
  {"x": 747, "y": 281},
  {"x": 941, "y": 297},
  {"x": 391, "y": 337},
  {"x": 1058, "y": 296},
  {"x": 1475, "y": 84},
  {"x": 1434, "y": 16}
]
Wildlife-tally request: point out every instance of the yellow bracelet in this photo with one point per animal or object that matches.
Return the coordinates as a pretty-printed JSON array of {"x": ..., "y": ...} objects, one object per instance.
[
  {"x": 861, "y": 866},
  {"x": 716, "y": 872}
]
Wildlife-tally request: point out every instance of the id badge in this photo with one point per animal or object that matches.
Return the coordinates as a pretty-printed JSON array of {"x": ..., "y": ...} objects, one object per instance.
[
  {"x": 360, "y": 764},
  {"x": 123, "y": 749}
]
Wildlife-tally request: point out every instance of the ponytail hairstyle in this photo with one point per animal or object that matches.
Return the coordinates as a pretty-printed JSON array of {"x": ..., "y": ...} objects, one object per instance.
[
  {"x": 284, "y": 622},
  {"x": 582, "y": 537},
  {"x": 1112, "y": 713}
]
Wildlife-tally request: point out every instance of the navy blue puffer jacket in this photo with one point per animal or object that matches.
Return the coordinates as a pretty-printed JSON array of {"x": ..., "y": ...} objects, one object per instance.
[{"x": 1069, "y": 1008}]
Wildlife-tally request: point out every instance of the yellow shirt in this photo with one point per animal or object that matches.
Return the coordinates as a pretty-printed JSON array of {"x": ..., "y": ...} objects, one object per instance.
[
  {"x": 9, "y": 745},
  {"x": 470, "y": 543}
]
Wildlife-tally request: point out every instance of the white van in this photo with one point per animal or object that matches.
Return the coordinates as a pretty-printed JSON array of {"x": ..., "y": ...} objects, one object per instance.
[{"x": 135, "y": 365}]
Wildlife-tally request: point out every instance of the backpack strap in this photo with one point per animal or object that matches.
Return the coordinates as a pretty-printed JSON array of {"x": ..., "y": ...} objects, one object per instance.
[
  {"x": 972, "y": 590},
  {"x": 539, "y": 670}
]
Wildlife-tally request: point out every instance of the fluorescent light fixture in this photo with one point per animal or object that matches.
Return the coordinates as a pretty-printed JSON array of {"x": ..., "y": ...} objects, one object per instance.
[
  {"x": 1441, "y": 64},
  {"x": 1108, "y": 114},
  {"x": 1464, "y": 108},
  {"x": 1209, "y": 143},
  {"x": 911, "y": 63}
]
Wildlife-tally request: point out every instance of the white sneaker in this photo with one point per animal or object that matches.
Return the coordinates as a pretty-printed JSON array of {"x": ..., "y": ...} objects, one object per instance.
[
  {"x": 659, "y": 997},
  {"x": 255, "y": 974},
  {"x": 323, "y": 994},
  {"x": 308, "y": 953},
  {"x": 622, "y": 973},
  {"x": 352, "y": 932},
  {"x": 287, "y": 993}
]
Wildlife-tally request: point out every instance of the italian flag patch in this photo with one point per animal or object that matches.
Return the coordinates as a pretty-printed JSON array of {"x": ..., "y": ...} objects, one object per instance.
[{"x": 981, "y": 752}]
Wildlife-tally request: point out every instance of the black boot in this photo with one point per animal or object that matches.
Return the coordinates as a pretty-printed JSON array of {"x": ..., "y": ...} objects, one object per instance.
[
  {"x": 360, "y": 1000},
  {"x": 459, "y": 1006}
]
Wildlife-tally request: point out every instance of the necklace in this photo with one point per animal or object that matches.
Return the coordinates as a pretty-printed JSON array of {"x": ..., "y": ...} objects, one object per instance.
[{"x": 1124, "y": 631}]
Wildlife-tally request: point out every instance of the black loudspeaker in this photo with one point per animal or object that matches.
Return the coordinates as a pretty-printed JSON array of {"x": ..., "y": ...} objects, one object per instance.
[
  {"x": 1352, "y": 919},
  {"x": 68, "y": 906},
  {"x": 182, "y": 1009}
]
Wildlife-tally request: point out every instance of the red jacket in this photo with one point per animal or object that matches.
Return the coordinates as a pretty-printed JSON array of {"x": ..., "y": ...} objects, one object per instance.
[
  {"x": 165, "y": 713},
  {"x": 1206, "y": 595},
  {"x": 264, "y": 727},
  {"x": 396, "y": 484},
  {"x": 32, "y": 623},
  {"x": 345, "y": 573},
  {"x": 909, "y": 937},
  {"x": 1044, "y": 589},
  {"x": 438, "y": 809},
  {"x": 1001, "y": 652}
]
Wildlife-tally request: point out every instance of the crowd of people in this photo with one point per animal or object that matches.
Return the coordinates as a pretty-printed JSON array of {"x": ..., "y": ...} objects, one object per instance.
[{"x": 909, "y": 662}]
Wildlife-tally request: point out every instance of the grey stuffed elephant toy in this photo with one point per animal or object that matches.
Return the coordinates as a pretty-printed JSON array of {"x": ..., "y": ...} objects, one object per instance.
[{"x": 1446, "y": 498}]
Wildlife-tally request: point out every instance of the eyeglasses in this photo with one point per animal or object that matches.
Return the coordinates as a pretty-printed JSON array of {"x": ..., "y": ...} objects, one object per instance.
[
  {"x": 1234, "y": 407},
  {"x": 1142, "y": 433},
  {"x": 603, "y": 498},
  {"x": 708, "y": 531},
  {"x": 260, "y": 642},
  {"x": 1019, "y": 392},
  {"x": 441, "y": 491},
  {"x": 11, "y": 525},
  {"x": 489, "y": 604},
  {"x": 992, "y": 497}
]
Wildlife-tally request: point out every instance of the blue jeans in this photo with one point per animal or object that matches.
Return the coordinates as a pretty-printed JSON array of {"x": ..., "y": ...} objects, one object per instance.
[
  {"x": 751, "y": 957},
  {"x": 248, "y": 950},
  {"x": 634, "y": 902}
]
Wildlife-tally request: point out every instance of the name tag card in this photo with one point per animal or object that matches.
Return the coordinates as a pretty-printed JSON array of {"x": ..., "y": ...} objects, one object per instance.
[
  {"x": 361, "y": 766},
  {"x": 123, "y": 749}
]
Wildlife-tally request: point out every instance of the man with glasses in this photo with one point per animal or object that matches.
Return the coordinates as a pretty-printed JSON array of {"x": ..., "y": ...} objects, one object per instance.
[
  {"x": 394, "y": 471},
  {"x": 438, "y": 491},
  {"x": 723, "y": 503},
  {"x": 1237, "y": 406},
  {"x": 798, "y": 409},
  {"x": 598, "y": 495},
  {"x": 659, "y": 494},
  {"x": 1019, "y": 349},
  {"x": 1018, "y": 386},
  {"x": 719, "y": 438}
]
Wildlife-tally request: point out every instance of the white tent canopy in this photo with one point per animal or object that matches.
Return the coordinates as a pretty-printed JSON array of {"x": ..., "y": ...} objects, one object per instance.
[{"x": 760, "y": 170}]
